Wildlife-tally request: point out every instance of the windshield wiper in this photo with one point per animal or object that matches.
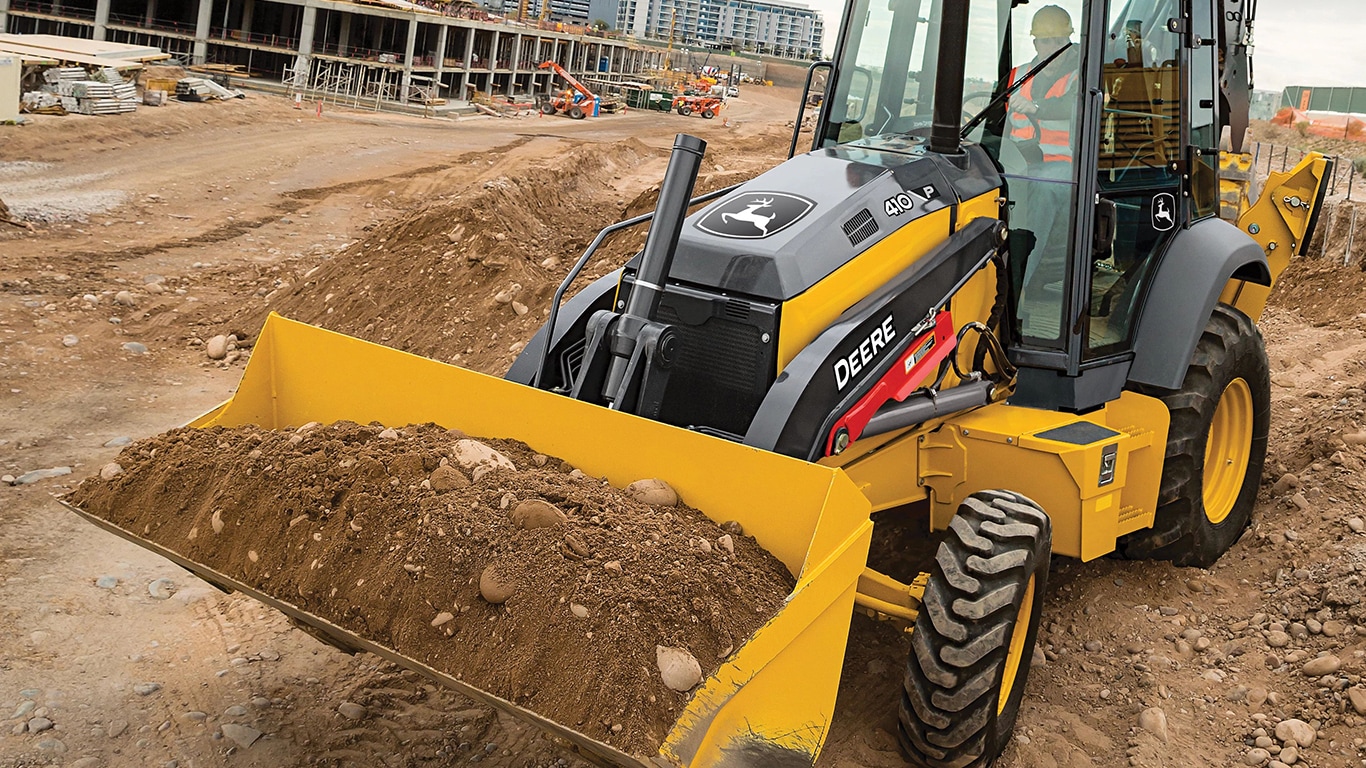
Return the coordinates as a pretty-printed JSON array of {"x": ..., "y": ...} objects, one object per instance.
[{"x": 1007, "y": 93}]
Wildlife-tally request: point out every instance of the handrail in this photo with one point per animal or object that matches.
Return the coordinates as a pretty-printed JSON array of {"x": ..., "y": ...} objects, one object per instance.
[
  {"x": 583, "y": 262},
  {"x": 801, "y": 104}
]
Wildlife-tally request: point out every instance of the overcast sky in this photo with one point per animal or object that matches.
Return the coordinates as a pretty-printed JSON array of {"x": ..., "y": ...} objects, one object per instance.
[{"x": 1298, "y": 42}]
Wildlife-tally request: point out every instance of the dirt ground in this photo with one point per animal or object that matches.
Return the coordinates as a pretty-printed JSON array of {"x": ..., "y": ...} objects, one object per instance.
[{"x": 160, "y": 230}]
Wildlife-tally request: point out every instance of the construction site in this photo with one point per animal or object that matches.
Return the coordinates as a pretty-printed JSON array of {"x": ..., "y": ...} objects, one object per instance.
[{"x": 332, "y": 430}]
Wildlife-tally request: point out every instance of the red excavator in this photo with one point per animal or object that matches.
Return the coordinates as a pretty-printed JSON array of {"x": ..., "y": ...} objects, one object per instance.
[{"x": 575, "y": 101}]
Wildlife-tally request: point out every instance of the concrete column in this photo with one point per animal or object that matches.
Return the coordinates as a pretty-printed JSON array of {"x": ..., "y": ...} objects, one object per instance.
[
  {"x": 441, "y": 32},
  {"x": 248, "y": 15},
  {"x": 469, "y": 60},
  {"x": 101, "y": 19},
  {"x": 304, "y": 57},
  {"x": 200, "y": 52},
  {"x": 343, "y": 33},
  {"x": 4, "y": 16},
  {"x": 493, "y": 54},
  {"x": 408, "y": 59},
  {"x": 515, "y": 62}
]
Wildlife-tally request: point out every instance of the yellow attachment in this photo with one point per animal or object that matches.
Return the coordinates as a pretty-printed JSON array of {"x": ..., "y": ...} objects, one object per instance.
[
  {"x": 1015, "y": 651},
  {"x": 1237, "y": 185},
  {"x": 1278, "y": 222},
  {"x": 776, "y": 692},
  {"x": 1227, "y": 450},
  {"x": 886, "y": 599},
  {"x": 1051, "y": 21},
  {"x": 1096, "y": 476}
]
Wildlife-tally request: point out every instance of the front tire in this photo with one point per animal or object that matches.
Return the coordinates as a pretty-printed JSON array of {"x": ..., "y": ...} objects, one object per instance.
[
  {"x": 974, "y": 638},
  {"x": 1216, "y": 446},
  {"x": 576, "y": 113},
  {"x": 685, "y": 110}
]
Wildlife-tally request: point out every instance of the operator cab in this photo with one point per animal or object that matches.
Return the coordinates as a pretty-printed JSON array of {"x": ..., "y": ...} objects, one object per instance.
[{"x": 1103, "y": 118}]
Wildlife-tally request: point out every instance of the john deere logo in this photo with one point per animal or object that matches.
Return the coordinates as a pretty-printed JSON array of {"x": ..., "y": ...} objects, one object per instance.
[{"x": 756, "y": 215}]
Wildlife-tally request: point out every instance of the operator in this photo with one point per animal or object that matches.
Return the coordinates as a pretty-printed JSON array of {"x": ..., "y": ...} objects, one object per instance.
[{"x": 1042, "y": 113}]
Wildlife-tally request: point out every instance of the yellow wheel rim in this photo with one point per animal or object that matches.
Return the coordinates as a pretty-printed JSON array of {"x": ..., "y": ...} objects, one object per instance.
[
  {"x": 1228, "y": 450},
  {"x": 1016, "y": 650}
]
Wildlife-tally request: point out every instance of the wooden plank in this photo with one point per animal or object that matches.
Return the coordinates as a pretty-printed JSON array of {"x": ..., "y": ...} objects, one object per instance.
[{"x": 66, "y": 57}]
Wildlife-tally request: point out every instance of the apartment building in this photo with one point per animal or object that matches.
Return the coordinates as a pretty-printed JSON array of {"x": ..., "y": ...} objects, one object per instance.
[{"x": 776, "y": 27}]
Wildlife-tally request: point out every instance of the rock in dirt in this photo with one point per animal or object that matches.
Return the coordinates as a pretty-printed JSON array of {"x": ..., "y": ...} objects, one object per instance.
[
  {"x": 136, "y": 347},
  {"x": 1286, "y": 482},
  {"x": 351, "y": 711},
  {"x": 146, "y": 689},
  {"x": 654, "y": 492},
  {"x": 479, "y": 458},
  {"x": 241, "y": 735},
  {"x": 579, "y": 611},
  {"x": 678, "y": 668},
  {"x": 442, "y": 618},
  {"x": 446, "y": 478},
  {"x": 495, "y": 586},
  {"x": 28, "y": 478},
  {"x": 161, "y": 589},
  {"x": 1154, "y": 721},
  {"x": 1356, "y": 524},
  {"x": 1358, "y": 698},
  {"x": 1256, "y": 756},
  {"x": 538, "y": 513},
  {"x": 119, "y": 442},
  {"x": 110, "y": 471},
  {"x": 39, "y": 724},
  {"x": 217, "y": 347},
  {"x": 1297, "y": 731},
  {"x": 1323, "y": 665},
  {"x": 124, "y": 299}
]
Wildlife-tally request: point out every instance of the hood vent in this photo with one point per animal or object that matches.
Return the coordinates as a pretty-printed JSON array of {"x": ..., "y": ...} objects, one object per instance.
[{"x": 861, "y": 227}]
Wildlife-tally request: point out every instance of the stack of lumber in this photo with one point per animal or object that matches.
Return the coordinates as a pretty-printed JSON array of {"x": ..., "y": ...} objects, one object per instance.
[{"x": 202, "y": 89}]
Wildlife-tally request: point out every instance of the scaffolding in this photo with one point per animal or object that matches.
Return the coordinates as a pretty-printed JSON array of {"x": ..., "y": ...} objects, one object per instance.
[{"x": 351, "y": 84}]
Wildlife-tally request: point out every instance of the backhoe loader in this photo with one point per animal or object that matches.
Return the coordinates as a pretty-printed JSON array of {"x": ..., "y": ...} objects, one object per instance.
[{"x": 1036, "y": 320}]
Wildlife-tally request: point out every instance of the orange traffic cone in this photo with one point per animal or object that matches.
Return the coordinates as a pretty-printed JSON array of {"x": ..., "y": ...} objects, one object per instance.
[{"x": 298, "y": 100}]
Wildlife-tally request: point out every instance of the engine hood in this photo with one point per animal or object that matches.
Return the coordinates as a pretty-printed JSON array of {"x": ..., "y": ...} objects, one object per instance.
[{"x": 786, "y": 230}]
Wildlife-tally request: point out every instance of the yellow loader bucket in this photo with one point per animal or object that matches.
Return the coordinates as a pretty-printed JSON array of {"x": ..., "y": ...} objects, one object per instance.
[{"x": 772, "y": 701}]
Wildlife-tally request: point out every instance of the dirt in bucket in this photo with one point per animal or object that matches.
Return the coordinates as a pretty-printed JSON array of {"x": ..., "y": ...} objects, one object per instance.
[{"x": 507, "y": 569}]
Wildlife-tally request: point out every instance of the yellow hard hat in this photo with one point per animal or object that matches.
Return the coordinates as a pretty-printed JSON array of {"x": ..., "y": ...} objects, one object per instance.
[{"x": 1051, "y": 21}]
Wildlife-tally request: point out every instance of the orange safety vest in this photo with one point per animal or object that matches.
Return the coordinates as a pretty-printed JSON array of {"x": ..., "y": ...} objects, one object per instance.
[{"x": 1053, "y": 136}]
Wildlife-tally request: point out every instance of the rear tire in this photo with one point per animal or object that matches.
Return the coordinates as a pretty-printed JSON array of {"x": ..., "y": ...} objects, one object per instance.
[
  {"x": 974, "y": 639},
  {"x": 685, "y": 110},
  {"x": 709, "y": 114},
  {"x": 547, "y": 108},
  {"x": 1216, "y": 446}
]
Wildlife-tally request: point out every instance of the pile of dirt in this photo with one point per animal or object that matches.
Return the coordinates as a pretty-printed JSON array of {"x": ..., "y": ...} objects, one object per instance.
[
  {"x": 1324, "y": 290},
  {"x": 503, "y": 567},
  {"x": 468, "y": 278}
]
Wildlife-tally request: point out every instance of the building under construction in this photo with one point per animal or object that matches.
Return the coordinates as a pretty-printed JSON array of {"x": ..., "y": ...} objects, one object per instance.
[{"x": 390, "y": 50}]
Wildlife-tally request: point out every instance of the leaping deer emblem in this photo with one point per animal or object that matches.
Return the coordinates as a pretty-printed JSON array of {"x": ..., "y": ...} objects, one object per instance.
[
  {"x": 1162, "y": 214},
  {"x": 748, "y": 215}
]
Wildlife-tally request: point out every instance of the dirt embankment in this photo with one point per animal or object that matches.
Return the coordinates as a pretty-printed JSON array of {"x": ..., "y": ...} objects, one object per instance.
[
  {"x": 468, "y": 277},
  {"x": 499, "y": 566}
]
